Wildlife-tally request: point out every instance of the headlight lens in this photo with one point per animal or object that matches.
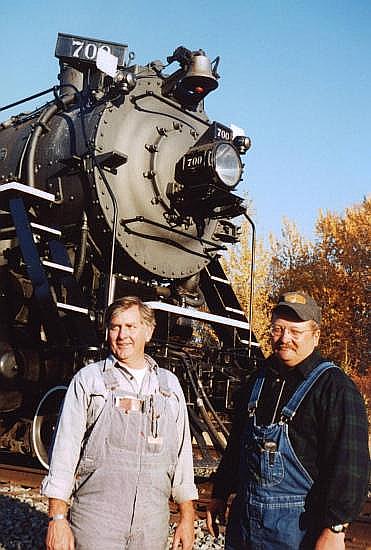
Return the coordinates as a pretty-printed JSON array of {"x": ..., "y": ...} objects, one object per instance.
[{"x": 228, "y": 165}]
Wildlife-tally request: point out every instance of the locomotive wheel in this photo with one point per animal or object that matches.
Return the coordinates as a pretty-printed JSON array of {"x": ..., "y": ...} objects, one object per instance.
[{"x": 45, "y": 421}]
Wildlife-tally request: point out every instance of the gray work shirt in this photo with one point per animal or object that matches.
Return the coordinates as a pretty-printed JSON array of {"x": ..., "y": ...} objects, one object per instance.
[{"x": 82, "y": 406}]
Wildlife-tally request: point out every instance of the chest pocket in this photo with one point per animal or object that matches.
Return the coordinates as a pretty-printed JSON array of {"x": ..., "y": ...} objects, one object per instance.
[
  {"x": 263, "y": 462},
  {"x": 138, "y": 425}
]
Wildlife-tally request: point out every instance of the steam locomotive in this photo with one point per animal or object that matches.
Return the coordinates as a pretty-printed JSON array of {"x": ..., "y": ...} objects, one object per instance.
[{"x": 119, "y": 185}]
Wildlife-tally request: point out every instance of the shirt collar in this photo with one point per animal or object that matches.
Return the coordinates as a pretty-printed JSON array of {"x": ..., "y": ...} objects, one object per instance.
[
  {"x": 111, "y": 362},
  {"x": 301, "y": 370}
]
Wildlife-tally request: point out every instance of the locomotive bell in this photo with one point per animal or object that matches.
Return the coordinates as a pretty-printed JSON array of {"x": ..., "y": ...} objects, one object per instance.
[{"x": 199, "y": 79}]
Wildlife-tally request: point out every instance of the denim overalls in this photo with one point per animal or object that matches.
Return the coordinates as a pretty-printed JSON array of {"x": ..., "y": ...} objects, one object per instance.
[
  {"x": 124, "y": 477},
  {"x": 269, "y": 510}
]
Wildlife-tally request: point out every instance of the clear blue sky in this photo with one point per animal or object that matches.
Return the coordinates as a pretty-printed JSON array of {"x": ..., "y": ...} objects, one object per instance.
[{"x": 295, "y": 75}]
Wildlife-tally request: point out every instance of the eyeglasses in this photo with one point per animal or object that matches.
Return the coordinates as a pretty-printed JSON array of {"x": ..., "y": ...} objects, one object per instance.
[{"x": 278, "y": 330}]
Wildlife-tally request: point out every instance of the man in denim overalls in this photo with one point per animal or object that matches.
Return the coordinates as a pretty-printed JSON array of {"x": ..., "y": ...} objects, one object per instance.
[
  {"x": 122, "y": 448},
  {"x": 302, "y": 443}
]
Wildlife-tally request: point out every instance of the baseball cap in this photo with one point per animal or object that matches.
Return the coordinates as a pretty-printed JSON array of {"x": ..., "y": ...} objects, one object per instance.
[{"x": 302, "y": 304}]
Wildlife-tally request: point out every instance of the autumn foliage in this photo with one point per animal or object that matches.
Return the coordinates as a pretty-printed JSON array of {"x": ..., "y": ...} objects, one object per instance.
[{"x": 334, "y": 269}]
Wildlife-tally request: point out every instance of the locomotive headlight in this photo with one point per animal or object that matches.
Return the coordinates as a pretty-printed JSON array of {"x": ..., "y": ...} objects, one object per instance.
[
  {"x": 206, "y": 176},
  {"x": 228, "y": 167},
  {"x": 213, "y": 164}
]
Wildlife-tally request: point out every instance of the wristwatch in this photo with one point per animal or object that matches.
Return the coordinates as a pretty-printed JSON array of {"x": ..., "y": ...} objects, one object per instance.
[
  {"x": 339, "y": 528},
  {"x": 57, "y": 516}
]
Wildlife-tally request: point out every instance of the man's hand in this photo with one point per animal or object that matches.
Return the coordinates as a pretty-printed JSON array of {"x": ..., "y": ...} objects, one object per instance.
[
  {"x": 59, "y": 536},
  {"x": 215, "y": 511},
  {"x": 185, "y": 531},
  {"x": 330, "y": 541}
]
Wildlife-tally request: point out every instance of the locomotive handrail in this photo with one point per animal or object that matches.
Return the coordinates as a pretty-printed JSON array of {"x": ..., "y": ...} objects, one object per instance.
[
  {"x": 39, "y": 94},
  {"x": 252, "y": 275},
  {"x": 25, "y": 99},
  {"x": 150, "y": 93},
  {"x": 110, "y": 291}
]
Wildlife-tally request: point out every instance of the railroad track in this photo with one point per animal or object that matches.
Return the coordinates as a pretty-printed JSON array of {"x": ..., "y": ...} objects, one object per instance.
[
  {"x": 21, "y": 475},
  {"x": 358, "y": 536}
]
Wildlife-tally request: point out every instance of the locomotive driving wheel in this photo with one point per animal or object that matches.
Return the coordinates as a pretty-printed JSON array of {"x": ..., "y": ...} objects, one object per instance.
[{"x": 45, "y": 421}]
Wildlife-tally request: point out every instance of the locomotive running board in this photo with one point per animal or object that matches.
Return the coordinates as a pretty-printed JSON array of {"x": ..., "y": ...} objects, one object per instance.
[
  {"x": 14, "y": 187},
  {"x": 201, "y": 315}
]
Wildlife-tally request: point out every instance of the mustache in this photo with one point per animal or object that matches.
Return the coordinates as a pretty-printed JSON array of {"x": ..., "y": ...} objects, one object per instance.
[{"x": 279, "y": 346}]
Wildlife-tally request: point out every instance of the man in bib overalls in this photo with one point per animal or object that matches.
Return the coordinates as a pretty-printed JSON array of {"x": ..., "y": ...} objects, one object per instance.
[
  {"x": 300, "y": 438},
  {"x": 122, "y": 448}
]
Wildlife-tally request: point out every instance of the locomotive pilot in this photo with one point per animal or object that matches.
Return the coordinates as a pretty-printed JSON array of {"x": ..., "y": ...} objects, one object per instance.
[
  {"x": 122, "y": 448},
  {"x": 300, "y": 438}
]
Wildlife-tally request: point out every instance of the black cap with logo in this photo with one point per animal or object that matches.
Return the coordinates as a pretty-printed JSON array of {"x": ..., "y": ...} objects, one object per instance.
[{"x": 302, "y": 304}]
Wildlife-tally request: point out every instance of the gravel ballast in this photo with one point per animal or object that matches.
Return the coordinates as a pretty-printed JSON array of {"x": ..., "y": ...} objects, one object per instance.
[{"x": 23, "y": 522}]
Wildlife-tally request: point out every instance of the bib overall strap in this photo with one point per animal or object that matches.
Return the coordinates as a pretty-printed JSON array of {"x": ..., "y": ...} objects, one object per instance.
[
  {"x": 163, "y": 382},
  {"x": 292, "y": 406},
  {"x": 255, "y": 394},
  {"x": 110, "y": 379}
]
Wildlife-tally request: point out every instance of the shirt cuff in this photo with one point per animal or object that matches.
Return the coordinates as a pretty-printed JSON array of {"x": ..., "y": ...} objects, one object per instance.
[
  {"x": 184, "y": 493},
  {"x": 54, "y": 489}
]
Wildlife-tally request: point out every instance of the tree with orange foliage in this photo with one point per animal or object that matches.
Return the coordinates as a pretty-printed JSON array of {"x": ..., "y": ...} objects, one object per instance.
[{"x": 333, "y": 269}]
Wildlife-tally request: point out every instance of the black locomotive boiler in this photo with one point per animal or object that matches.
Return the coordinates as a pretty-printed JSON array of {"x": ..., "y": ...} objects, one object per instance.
[{"x": 119, "y": 184}]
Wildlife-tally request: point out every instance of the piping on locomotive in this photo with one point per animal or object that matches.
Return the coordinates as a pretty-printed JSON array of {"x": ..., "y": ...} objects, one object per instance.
[{"x": 120, "y": 184}]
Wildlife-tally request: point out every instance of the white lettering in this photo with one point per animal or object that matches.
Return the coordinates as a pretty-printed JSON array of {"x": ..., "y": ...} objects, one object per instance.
[
  {"x": 194, "y": 162},
  {"x": 223, "y": 134},
  {"x": 78, "y": 49},
  {"x": 105, "y": 48},
  {"x": 90, "y": 51}
]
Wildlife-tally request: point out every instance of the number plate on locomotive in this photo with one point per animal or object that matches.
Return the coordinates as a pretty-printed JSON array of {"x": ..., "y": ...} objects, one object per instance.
[{"x": 80, "y": 49}]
